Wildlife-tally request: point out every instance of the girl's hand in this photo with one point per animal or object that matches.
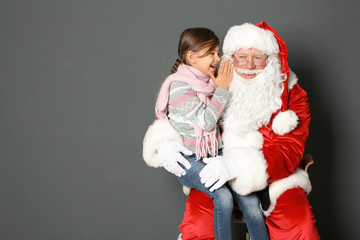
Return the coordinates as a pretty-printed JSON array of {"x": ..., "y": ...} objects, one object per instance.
[{"x": 225, "y": 75}]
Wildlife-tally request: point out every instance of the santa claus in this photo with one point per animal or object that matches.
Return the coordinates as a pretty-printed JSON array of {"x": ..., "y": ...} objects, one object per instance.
[{"x": 265, "y": 127}]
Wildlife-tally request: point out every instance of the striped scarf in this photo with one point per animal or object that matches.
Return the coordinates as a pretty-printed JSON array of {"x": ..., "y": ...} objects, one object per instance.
[{"x": 204, "y": 87}]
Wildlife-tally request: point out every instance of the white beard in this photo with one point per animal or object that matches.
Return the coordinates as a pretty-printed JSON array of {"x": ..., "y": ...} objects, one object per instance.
[{"x": 254, "y": 101}]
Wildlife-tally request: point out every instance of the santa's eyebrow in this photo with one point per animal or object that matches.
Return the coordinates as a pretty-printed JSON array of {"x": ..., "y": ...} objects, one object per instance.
[
  {"x": 260, "y": 54},
  {"x": 255, "y": 54}
]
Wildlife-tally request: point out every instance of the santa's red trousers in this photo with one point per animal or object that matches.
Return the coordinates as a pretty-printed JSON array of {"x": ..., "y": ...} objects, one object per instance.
[{"x": 291, "y": 219}]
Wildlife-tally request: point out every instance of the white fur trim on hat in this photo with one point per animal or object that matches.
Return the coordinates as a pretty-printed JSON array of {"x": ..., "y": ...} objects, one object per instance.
[
  {"x": 158, "y": 133},
  {"x": 299, "y": 178},
  {"x": 285, "y": 122},
  {"x": 249, "y": 36}
]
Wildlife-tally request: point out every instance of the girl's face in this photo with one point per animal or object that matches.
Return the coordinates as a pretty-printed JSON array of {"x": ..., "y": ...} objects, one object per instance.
[{"x": 207, "y": 64}]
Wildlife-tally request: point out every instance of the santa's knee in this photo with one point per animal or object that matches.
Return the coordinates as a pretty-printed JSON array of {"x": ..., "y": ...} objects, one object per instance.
[
  {"x": 296, "y": 206},
  {"x": 292, "y": 209}
]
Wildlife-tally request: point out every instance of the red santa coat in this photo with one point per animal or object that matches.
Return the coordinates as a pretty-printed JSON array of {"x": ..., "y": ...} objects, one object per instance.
[
  {"x": 284, "y": 152},
  {"x": 290, "y": 215},
  {"x": 278, "y": 152}
]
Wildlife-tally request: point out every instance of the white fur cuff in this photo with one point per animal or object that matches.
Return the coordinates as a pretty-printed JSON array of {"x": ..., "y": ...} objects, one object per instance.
[
  {"x": 158, "y": 133},
  {"x": 285, "y": 122},
  {"x": 299, "y": 178}
]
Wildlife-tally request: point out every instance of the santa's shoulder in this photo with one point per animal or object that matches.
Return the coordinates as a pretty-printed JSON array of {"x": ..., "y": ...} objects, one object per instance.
[
  {"x": 295, "y": 90},
  {"x": 293, "y": 79}
]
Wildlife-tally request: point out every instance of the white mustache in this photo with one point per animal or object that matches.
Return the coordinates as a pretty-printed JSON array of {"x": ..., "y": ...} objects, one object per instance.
[{"x": 248, "y": 71}]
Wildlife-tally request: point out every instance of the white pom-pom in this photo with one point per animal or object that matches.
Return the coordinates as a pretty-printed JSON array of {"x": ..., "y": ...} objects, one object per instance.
[{"x": 285, "y": 122}]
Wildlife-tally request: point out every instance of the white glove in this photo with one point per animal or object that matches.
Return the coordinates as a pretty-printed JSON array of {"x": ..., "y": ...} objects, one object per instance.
[
  {"x": 217, "y": 172},
  {"x": 170, "y": 156}
]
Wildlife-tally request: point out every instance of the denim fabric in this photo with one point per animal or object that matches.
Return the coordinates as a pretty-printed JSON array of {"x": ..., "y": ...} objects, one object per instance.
[
  {"x": 223, "y": 204},
  {"x": 250, "y": 207}
]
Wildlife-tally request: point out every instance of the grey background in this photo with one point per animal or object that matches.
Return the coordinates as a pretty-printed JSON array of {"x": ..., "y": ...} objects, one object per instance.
[{"x": 78, "y": 83}]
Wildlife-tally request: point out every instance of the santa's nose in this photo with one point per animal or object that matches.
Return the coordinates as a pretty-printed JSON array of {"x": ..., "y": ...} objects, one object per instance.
[{"x": 250, "y": 64}]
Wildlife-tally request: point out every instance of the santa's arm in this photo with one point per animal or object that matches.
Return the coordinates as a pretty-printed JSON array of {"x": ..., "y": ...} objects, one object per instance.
[
  {"x": 158, "y": 133},
  {"x": 284, "y": 150}
]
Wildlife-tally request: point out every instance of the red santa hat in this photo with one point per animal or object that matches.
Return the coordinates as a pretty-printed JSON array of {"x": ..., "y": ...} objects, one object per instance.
[
  {"x": 263, "y": 37},
  {"x": 248, "y": 36}
]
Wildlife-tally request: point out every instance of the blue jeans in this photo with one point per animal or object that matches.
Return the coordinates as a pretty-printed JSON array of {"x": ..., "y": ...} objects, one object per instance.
[{"x": 224, "y": 203}]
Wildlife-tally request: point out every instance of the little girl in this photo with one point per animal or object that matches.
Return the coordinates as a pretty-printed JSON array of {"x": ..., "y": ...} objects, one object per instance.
[{"x": 193, "y": 100}]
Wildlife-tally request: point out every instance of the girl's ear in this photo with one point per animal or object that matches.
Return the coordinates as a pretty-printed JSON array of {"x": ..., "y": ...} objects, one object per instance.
[{"x": 191, "y": 57}]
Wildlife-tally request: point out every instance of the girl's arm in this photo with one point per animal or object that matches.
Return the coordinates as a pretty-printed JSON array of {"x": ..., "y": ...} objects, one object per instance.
[{"x": 186, "y": 107}]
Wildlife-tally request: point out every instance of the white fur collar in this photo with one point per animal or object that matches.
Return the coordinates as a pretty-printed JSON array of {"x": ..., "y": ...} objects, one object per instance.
[{"x": 292, "y": 80}]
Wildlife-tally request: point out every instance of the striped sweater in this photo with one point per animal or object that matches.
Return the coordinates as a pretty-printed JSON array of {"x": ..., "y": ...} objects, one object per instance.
[{"x": 186, "y": 110}]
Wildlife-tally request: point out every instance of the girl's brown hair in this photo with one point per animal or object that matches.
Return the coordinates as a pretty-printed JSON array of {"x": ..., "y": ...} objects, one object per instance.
[{"x": 195, "y": 39}]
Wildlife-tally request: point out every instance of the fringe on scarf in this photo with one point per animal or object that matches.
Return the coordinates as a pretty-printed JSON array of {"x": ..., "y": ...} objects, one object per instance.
[{"x": 207, "y": 145}]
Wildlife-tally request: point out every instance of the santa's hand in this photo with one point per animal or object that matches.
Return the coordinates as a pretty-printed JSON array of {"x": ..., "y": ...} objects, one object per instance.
[
  {"x": 217, "y": 172},
  {"x": 170, "y": 156}
]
